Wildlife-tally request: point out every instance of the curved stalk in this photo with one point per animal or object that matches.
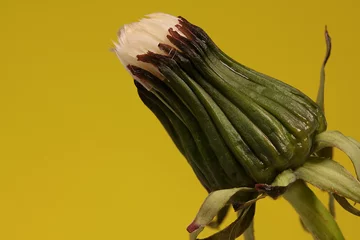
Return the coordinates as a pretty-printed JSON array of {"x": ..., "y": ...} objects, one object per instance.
[{"x": 316, "y": 218}]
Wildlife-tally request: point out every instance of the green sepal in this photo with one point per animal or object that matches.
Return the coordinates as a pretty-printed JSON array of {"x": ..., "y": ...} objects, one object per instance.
[{"x": 330, "y": 176}]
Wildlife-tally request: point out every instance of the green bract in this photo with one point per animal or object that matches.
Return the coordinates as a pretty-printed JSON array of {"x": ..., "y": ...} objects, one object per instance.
[{"x": 246, "y": 135}]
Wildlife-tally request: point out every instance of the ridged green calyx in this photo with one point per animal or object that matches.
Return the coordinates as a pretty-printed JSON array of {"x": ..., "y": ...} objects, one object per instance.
[{"x": 241, "y": 131}]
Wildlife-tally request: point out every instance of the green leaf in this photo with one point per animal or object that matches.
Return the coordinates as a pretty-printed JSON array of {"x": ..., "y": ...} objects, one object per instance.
[
  {"x": 213, "y": 203},
  {"x": 217, "y": 201},
  {"x": 326, "y": 152},
  {"x": 330, "y": 176},
  {"x": 237, "y": 228},
  {"x": 346, "y": 144}
]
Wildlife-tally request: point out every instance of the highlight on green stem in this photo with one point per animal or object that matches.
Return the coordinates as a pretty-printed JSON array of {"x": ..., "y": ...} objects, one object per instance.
[{"x": 245, "y": 135}]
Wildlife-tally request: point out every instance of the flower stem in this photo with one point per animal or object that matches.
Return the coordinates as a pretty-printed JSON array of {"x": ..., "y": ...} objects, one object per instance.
[
  {"x": 316, "y": 218},
  {"x": 249, "y": 232}
]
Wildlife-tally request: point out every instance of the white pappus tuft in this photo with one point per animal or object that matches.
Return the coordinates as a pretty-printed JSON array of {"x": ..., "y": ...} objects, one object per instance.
[{"x": 140, "y": 37}]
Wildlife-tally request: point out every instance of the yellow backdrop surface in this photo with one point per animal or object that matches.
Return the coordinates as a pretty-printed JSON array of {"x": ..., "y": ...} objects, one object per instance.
[{"x": 82, "y": 158}]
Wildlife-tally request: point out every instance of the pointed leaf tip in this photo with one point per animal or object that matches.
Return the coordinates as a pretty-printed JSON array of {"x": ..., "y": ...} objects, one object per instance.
[
  {"x": 214, "y": 203},
  {"x": 346, "y": 205},
  {"x": 320, "y": 96}
]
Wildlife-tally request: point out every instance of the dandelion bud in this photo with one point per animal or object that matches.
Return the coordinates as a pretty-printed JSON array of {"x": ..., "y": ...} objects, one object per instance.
[{"x": 235, "y": 126}]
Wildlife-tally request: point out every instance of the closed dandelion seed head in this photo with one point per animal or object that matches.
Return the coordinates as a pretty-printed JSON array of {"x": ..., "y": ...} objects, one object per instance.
[
  {"x": 254, "y": 125},
  {"x": 246, "y": 135}
]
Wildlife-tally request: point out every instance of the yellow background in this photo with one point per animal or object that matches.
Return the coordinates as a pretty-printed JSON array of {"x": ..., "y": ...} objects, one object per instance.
[{"x": 80, "y": 155}]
